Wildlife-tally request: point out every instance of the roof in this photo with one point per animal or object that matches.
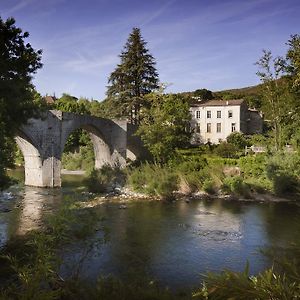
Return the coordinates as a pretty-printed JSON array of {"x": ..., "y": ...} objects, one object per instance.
[
  {"x": 49, "y": 99},
  {"x": 219, "y": 102}
]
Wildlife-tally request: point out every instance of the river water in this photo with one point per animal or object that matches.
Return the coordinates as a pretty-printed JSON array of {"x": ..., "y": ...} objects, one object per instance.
[{"x": 175, "y": 243}]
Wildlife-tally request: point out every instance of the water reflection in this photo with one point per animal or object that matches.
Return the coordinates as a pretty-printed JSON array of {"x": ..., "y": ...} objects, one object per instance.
[{"x": 34, "y": 205}]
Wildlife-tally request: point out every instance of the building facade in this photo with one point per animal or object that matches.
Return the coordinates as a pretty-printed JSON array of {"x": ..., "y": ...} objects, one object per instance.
[{"x": 214, "y": 120}]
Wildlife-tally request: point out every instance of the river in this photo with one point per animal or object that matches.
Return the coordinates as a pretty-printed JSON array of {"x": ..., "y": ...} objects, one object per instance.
[{"x": 175, "y": 243}]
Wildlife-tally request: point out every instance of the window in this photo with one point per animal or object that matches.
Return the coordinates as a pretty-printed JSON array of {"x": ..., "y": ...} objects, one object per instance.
[
  {"x": 197, "y": 114},
  {"x": 218, "y": 127},
  {"x": 232, "y": 127},
  {"x": 197, "y": 128},
  {"x": 208, "y": 114},
  {"x": 208, "y": 127},
  {"x": 218, "y": 114},
  {"x": 230, "y": 114}
]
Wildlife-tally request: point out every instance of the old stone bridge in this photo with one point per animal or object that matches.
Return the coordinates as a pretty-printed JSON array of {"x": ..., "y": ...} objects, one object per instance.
[{"x": 42, "y": 143}]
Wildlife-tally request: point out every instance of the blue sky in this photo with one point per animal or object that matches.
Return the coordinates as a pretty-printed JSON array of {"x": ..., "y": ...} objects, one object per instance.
[{"x": 209, "y": 44}]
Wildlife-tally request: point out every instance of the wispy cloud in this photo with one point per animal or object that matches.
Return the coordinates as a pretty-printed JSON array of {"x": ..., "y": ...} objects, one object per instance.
[
  {"x": 88, "y": 64},
  {"x": 157, "y": 13},
  {"x": 19, "y": 6}
]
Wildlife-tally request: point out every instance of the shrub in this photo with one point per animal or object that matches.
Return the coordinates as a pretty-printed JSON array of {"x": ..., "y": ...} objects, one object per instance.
[
  {"x": 283, "y": 171},
  {"x": 226, "y": 150},
  {"x": 253, "y": 165},
  {"x": 104, "y": 179},
  {"x": 82, "y": 160},
  {"x": 238, "y": 140},
  {"x": 153, "y": 180},
  {"x": 208, "y": 186},
  {"x": 236, "y": 185}
]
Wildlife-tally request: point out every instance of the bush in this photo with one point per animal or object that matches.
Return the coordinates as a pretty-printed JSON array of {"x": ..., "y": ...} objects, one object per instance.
[
  {"x": 104, "y": 179},
  {"x": 238, "y": 140},
  {"x": 236, "y": 185},
  {"x": 282, "y": 170},
  {"x": 226, "y": 150},
  {"x": 153, "y": 180},
  {"x": 208, "y": 186},
  {"x": 82, "y": 160},
  {"x": 253, "y": 165}
]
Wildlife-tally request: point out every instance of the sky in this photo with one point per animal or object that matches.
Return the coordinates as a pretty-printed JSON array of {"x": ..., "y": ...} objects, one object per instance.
[{"x": 197, "y": 44}]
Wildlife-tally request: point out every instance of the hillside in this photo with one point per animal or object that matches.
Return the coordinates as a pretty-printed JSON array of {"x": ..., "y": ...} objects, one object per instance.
[{"x": 250, "y": 90}]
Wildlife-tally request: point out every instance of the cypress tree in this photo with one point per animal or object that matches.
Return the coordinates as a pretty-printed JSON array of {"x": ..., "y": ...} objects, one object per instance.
[{"x": 133, "y": 78}]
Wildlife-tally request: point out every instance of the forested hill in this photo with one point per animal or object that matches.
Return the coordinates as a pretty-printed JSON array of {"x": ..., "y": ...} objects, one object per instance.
[
  {"x": 251, "y": 94},
  {"x": 246, "y": 91}
]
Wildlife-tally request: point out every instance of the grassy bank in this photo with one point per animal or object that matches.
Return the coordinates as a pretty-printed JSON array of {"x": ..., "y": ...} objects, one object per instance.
[{"x": 192, "y": 171}]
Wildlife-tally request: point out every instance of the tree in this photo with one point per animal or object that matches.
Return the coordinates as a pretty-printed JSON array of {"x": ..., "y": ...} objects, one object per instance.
[
  {"x": 133, "y": 78},
  {"x": 18, "y": 62},
  {"x": 70, "y": 103},
  {"x": 79, "y": 137},
  {"x": 164, "y": 125},
  {"x": 273, "y": 90},
  {"x": 293, "y": 59},
  {"x": 238, "y": 140},
  {"x": 203, "y": 94}
]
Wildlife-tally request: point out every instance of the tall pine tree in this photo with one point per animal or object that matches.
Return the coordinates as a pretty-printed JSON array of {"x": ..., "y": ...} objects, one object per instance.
[{"x": 133, "y": 78}]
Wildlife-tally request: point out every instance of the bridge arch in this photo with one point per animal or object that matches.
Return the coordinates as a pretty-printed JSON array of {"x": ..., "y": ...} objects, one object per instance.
[
  {"x": 32, "y": 159},
  {"x": 102, "y": 150}
]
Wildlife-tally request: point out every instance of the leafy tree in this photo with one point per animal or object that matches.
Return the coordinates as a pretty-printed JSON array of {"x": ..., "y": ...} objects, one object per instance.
[
  {"x": 203, "y": 94},
  {"x": 68, "y": 103},
  {"x": 133, "y": 78},
  {"x": 164, "y": 125},
  {"x": 237, "y": 139},
  {"x": 293, "y": 59},
  {"x": 18, "y": 62},
  {"x": 273, "y": 91},
  {"x": 226, "y": 150}
]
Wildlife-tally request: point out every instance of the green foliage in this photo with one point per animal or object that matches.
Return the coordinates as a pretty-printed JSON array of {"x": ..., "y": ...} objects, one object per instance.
[
  {"x": 164, "y": 126},
  {"x": 235, "y": 285},
  {"x": 203, "y": 94},
  {"x": 209, "y": 186},
  {"x": 82, "y": 160},
  {"x": 226, "y": 150},
  {"x": 293, "y": 59},
  {"x": 68, "y": 103},
  {"x": 283, "y": 171},
  {"x": 238, "y": 140},
  {"x": 259, "y": 140},
  {"x": 18, "y": 61},
  {"x": 153, "y": 180},
  {"x": 253, "y": 165},
  {"x": 133, "y": 78},
  {"x": 104, "y": 179},
  {"x": 236, "y": 185}
]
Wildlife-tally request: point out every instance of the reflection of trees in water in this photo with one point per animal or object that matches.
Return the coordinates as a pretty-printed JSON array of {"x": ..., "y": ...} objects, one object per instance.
[
  {"x": 282, "y": 223},
  {"x": 135, "y": 237}
]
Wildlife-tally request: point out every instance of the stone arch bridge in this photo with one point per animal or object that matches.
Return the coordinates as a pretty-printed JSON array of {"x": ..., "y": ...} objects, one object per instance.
[{"x": 42, "y": 143}]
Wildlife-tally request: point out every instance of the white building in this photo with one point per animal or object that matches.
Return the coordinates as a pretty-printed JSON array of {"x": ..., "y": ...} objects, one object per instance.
[{"x": 212, "y": 121}]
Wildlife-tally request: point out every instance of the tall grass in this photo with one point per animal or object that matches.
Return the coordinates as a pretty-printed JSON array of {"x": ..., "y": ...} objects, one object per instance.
[{"x": 154, "y": 180}]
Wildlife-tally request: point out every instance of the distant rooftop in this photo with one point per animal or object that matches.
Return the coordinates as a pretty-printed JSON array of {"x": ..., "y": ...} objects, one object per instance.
[
  {"x": 49, "y": 99},
  {"x": 216, "y": 102}
]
